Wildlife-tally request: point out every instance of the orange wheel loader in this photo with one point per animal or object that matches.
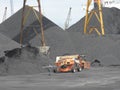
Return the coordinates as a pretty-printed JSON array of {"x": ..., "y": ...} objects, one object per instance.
[{"x": 70, "y": 63}]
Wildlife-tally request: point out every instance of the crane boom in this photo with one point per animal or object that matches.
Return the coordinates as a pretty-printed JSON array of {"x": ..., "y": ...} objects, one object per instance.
[
  {"x": 68, "y": 19},
  {"x": 5, "y": 14},
  {"x": 43, "y": 48},
  {"x": 39, "y": 19}
]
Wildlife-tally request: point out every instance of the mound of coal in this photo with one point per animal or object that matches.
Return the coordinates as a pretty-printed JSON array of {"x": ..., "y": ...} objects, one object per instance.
[
  {"x": 11, "y": 27},
  {"x": 59, "y": 41},
  {"x": 94, "y": 47},
  {"x": 29, "y": 61},
  {"x": 104, "y": 48},
  {"x": 7, "y": 44},
  {"x": 55, "y": 37},
  {"x": 110, "y": 18}
]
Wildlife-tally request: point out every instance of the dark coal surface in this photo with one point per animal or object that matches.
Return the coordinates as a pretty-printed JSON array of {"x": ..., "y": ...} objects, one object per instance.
[
  {"x": 110, "y": 18},
  {"x": 29, "y": 61},
  {"x": 103, "y": 48},
  {"x": 59, "y": 41},
  {"x": 7, "y": 44},
  {"x": 11, "y": 27}
]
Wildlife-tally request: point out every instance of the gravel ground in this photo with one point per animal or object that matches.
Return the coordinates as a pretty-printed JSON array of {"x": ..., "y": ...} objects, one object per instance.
[{"x": 100, "y": 78}]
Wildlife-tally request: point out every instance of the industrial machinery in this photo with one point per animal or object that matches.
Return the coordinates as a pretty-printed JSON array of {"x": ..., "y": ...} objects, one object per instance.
[
  {"x": 97, "y": 11},
  {"x": 43, "y": 48},
  {"x": 70, "y": 63}
]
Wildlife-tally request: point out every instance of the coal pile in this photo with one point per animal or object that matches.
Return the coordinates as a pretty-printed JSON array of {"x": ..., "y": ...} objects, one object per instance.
[
  {"x": 110, "y": 18},
  {"x": 104, "y": 48},
  {"x": 7, "y": 44},
  {"x": 59, "y": 41},
  {"x": 23, "y": 61},
  {"x": 11, "y": 27},
  {"x": 29, "y": 63},
  {"x": 27, "y": 60}
]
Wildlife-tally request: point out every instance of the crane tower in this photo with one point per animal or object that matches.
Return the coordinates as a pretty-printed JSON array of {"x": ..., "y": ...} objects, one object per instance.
[
  {"x": 44, "y": 49},
  {"x": 97, "y": 11}
]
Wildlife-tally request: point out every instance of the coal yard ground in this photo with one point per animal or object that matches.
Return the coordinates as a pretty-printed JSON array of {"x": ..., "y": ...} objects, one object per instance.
[
  {"x": 22, "y": 68},
  {"x": 99, "y": 78}
]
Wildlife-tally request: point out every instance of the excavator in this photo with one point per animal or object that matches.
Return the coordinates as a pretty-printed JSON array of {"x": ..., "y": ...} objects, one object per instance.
[{"x": 71, "y": 63}]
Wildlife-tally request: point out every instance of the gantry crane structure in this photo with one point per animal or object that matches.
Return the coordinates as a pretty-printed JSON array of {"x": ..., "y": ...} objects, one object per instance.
[
  {"x": 97, "y": 11},
  {"x": 43, "y": 48},
  {"x": 68, "y": 19}
]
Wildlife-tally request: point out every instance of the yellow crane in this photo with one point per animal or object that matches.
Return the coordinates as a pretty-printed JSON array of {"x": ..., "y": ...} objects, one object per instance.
[
  {"x": 43, "y": 48},
  {"x": 97, "y": 11}
]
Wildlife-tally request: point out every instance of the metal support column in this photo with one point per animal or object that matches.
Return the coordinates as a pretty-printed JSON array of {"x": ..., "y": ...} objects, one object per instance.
[
  {"x": 43, "y": 48},
  {"x": 98, "y": 14}
]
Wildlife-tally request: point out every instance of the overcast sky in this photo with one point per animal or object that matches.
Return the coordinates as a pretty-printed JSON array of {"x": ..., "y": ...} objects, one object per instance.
[{"x": 55, "y": 10}]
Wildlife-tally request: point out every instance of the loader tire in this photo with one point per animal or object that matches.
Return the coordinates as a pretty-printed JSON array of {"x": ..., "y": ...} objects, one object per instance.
[
  {"x": 73, "y": 70},
  {"x": 79, "y": 69},
  {"x": 55, "y": 70}
]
